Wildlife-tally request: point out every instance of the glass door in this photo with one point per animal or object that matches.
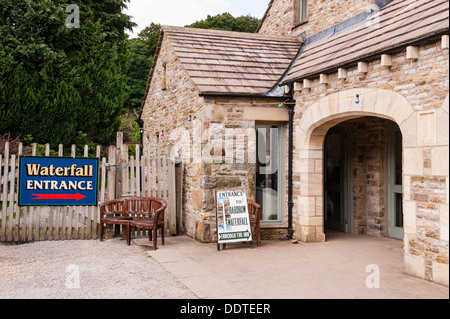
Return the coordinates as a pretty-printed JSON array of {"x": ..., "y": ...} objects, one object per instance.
[
  {"x": 269, "y": 172},
  {"x": 336, "y": 180},
  {"x": 395, "y": 182}
]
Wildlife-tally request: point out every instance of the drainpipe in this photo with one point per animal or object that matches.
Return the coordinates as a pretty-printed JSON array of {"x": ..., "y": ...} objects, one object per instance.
[
  {"x": 140, "y": 122},
  {"x": 290, "y": 178},
  {"x": 289, "y": 99}
]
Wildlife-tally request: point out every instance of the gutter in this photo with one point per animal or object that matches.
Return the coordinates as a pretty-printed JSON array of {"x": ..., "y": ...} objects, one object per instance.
[{"x": 253, "y": 96}]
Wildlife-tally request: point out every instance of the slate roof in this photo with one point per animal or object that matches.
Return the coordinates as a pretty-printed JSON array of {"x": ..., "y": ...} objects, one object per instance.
[
  {"x": 398, "y": 23},
  {"x": 233, "y": 63}
]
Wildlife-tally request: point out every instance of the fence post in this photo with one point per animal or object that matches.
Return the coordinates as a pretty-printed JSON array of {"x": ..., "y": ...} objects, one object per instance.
[
  {"x": 118, "y": 150},
  {"x": 10, "y": 227},
  {"x": 100, "y": 198},
  {"x": 37, "y": 211},
  {"x": 111, "y": 173},
  {"x": 5, "y": 192},
  {"x": 125, "y": 170},
  {"x": 138, "y": 171}
]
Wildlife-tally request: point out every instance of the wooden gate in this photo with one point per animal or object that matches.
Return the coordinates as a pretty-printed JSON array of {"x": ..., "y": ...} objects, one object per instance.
[{"x": 119, "y": 176}]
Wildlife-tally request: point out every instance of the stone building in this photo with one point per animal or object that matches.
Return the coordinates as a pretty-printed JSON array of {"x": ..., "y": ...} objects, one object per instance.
[{"x": 364, "y": 87}]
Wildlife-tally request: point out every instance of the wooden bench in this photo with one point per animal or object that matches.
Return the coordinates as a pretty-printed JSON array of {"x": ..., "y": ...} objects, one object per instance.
[{"x": 141, "y": 212}]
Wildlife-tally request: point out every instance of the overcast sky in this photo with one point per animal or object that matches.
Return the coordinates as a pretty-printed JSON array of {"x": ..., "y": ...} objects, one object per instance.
[{"x": 184, "y": 12}]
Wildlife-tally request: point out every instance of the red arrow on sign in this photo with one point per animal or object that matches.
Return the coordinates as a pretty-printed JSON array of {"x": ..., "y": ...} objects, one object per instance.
[{"x": 77, "y": 196}]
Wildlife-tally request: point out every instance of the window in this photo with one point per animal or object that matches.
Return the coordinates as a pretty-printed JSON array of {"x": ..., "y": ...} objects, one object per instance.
[
  {"x": 270, "y": 172},
  {"x": 300, "y": 11}
]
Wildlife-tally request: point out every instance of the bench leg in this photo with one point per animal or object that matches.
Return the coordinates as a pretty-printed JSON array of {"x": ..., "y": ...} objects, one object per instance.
[
  {"x": 101, "y": 231},
  {"x": 128, "y": 235},
  {"x": 162, "y": 235},
  {"x": 155, "y": 238}
]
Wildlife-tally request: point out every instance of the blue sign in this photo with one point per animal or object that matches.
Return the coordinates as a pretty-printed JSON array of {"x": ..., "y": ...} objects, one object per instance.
[{"x": 58, "y": 181}]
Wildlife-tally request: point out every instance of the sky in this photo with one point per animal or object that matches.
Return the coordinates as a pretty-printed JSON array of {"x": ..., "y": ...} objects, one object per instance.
[{"x": 184, "y": 12}]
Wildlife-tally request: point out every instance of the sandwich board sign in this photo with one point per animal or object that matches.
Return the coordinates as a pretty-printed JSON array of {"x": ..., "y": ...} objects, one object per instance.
[
  {"x": 233, "y": 220},
  {"x": 58, "y": 181}
]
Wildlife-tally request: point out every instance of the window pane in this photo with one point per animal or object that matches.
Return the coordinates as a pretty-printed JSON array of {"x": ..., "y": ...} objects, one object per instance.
[
  {"x": 399, "y": 210},
  {"x": 334, "y": 158},
  {"x": 398, "y": 145},
  {"x": 303, "y": 10},
  {"x": 267, "y": 171},
  {"x": 300, "y": 11}
]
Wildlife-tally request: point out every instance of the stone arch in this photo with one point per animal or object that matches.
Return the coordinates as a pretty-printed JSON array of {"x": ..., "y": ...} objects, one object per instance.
[{"x": 313, "y": 127}]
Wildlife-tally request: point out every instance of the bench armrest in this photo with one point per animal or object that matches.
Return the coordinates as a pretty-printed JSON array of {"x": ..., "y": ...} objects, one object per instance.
[
  {"x": 159, "y": 214},
  {"x": 114, "y": 208}
]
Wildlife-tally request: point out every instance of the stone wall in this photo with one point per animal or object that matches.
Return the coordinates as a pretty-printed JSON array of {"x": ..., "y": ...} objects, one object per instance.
[
  {"x": 428, "y": 196},
  {"x": 414, "y": 94},
  {"x": 368, "y": 176},
  {"x": 217, "y": 145},
  {"x": 228, "y": 146},
  {"x": 172, "y": 98},
  {"x": 322, "y": 14},
  {"x": 279, "y": 19}
]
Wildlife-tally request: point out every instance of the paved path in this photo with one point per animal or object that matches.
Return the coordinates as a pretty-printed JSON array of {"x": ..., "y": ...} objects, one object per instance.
[
  {"x": 282, "y": 270},
  {"x": 84, "y": 269}
]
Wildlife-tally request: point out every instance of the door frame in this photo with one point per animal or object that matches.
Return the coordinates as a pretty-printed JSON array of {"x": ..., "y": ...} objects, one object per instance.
[
  {"x": 393, "y": 189},
  {"x": 345, "y": 226}
]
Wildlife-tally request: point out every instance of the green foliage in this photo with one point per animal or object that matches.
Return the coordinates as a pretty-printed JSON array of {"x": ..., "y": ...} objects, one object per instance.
[
  {"x": 141, "y": 54},
  {"x": 226, "y": 21},
  {"x": 63, "y": 85},
  {"x": 56, "y": 81},
  {"x": 140, "y": 62},
  {"x": 130, "y": 128},
  {"x": 150, "y": 37}
]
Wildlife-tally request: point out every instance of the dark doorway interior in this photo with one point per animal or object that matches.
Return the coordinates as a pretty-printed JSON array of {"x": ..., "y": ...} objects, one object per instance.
[{"x": 363, "y": 178}]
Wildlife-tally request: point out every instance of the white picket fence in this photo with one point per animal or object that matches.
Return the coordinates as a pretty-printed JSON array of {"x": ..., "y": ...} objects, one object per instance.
[{"x": 119, "y": 176}]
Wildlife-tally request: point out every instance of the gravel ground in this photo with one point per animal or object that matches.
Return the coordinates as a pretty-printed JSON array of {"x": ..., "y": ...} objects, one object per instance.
[{"x": 84, "y": 270}]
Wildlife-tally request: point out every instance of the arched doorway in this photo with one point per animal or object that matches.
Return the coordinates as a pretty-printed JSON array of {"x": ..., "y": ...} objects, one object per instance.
[
  {"x": 425, "y": 169},
  {"x": 314, "y": 125},
  {"x": 363, "y": 178}
]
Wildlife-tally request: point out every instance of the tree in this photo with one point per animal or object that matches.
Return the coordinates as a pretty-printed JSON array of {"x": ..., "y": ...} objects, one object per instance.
[
  {"x": 141, "y": 53},
  {"x": 226, "y": 21},
  {"x": 56, "y": 81},
  {"x": 150, "y": 37}
]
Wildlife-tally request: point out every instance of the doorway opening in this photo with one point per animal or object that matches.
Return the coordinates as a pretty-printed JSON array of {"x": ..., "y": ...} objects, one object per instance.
[{"x": 363, "y": 192}]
